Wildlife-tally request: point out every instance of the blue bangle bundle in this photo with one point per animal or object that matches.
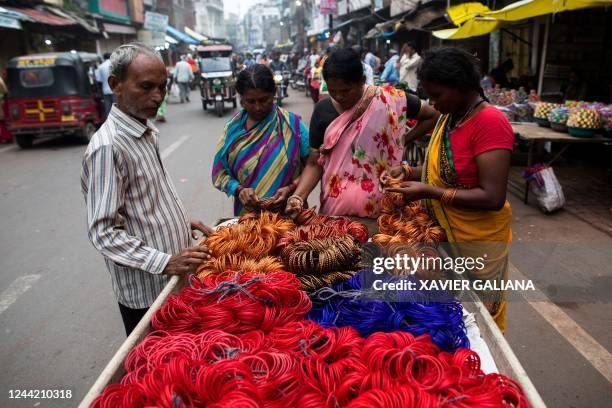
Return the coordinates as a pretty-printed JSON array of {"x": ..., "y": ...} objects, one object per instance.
[{"x": 354, "y": 303}]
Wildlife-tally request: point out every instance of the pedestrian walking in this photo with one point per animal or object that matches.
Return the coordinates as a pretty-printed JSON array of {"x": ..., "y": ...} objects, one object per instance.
[
  {"x": 135, "y": 218},
  {"x": 183, "y": 75},
  {"x": 102, "y": 77}
]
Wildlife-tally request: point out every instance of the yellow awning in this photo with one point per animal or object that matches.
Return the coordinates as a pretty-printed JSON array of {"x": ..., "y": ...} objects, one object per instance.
[
  {"x": 466, "y": 11},
  {"x": 475, "y": 19},
  {"x": 195, "y": 34},
  {"x": 472, "y": 28}
]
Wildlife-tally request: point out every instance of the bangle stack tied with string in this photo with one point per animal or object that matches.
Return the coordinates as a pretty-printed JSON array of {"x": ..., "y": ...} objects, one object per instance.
[{"x": 246, "y": 333}]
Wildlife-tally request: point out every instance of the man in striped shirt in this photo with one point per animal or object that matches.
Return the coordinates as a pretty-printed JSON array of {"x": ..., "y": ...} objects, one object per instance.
[{"x": 134, "y": 215}]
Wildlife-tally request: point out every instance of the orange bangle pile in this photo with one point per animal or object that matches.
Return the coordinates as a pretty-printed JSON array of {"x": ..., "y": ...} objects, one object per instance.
[
  {"x": 321, "y": 250},
  {"x": 236, "y": 263},
  {"x": 252, "y": 237},
  {"x": 402, "y": 222}
]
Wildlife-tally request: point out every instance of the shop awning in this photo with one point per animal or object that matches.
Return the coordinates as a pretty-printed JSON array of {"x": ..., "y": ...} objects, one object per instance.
[
  {"x": 475, "y": 19},
  {"x": 41, "y": 16},
  {"x": 195, "y": 34},
  {"x": 75, "y": 17},
  {"x": 472, "y": 28},
  {"x": 171, "y": 40},
  {"x": 176, "y": 34},
  {"x": 10, "y": 19}
]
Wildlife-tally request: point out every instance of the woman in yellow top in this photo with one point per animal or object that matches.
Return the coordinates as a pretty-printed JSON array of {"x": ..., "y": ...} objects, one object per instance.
[{"x": 463, "y": 180}]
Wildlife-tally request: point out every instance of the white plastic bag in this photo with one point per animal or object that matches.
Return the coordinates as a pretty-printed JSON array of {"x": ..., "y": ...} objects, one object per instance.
[
  {"x": 175, "y": 92},
  {"x": 547, "y": 190}
]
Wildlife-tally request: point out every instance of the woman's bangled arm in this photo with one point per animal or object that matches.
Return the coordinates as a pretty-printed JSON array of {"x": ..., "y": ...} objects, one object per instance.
[{"x": 310, "y": 177}]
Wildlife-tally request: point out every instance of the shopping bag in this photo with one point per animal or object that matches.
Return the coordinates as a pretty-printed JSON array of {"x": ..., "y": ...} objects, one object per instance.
[
  {"x": 175, "y": 92},
  {"x": 546, "y": 187}
]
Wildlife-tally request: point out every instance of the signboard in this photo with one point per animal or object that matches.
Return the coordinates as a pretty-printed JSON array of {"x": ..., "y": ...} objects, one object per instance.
[
  {"x": 329, "y": 7},
  {"x": 8, "y": 22},
  {"x": 137, "y": 11},
  {"x": 113, "y": 9},
  {"x": 152, "y": 38},
  {"x": 155, "y": 21}
]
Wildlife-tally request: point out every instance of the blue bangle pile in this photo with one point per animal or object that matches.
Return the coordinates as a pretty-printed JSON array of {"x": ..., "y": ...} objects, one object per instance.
[{"x": 354, "y": 303}]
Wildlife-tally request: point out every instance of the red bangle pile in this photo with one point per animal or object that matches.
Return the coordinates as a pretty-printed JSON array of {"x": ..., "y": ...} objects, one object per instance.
[{"x": 242, "y": 342}]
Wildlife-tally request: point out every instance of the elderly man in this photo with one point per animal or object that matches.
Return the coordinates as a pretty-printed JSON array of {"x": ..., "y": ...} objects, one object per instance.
[{"x": 134, "y": 216}]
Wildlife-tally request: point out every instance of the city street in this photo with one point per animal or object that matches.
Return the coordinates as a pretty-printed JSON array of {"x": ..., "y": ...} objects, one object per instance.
[{"x": 60, "y": 324}]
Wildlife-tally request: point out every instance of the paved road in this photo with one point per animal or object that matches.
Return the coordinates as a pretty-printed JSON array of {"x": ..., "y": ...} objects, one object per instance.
[{"x": 59, "y": 323}]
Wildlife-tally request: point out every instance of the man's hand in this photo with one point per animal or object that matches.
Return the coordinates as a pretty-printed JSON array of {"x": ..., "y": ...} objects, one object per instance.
[
  {"x": 412, "y": 190},
  {"x": 187, "y": 261},
  {"x": 199, "y": 226},
  {"x": 248, "y": 197}
]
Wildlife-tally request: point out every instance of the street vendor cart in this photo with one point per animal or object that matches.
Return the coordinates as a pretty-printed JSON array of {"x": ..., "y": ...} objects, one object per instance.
[{"x": 485, "y": 338}]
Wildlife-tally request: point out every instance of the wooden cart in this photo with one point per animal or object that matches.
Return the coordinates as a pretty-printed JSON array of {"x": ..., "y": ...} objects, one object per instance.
[{"x": 506, "y": 361}]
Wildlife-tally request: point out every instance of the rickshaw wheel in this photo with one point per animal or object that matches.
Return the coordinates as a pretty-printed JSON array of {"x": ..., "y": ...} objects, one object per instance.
[
  {"x": 219, "y": 108},
  {"x": 24, "y": 141},
  {"x": 88, "y": 131}
]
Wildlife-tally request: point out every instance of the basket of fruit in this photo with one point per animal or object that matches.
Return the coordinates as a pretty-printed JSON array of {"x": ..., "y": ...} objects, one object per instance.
[
  {"x": 583, "y": 122},
  {"x": 542, "y": 110}
]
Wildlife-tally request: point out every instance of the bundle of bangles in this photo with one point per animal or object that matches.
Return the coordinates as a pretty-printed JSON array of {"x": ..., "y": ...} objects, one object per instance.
[
  {"x": 284, "y": 314},
  {"x": 242, "y": 340},
  {"x": 320, "y": 250}
]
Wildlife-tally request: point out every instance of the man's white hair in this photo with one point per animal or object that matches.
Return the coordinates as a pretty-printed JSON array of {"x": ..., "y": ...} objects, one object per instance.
[{"x": 123, "y": 56}]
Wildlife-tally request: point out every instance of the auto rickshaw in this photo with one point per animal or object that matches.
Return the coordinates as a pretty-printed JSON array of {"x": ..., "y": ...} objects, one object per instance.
[
  {"x": 217, "y": 77},
  {"x": 53, "y": 94}
]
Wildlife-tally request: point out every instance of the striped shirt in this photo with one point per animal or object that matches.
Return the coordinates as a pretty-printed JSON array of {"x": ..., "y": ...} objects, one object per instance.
[{"x": 134, "y": 215}]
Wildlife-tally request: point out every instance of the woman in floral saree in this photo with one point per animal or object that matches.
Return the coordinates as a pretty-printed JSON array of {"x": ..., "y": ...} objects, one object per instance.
[
  {"x": 355, "y": 135},
  {"x": 261, "y": 152},
  {"x": 463, "y": 180}
]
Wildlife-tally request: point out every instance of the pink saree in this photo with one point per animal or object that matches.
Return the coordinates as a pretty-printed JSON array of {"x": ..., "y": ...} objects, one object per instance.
[{"x": 358, "y": 146}]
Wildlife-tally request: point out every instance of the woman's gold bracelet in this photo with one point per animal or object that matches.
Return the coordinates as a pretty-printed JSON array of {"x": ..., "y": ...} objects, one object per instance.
[
  {"x": 296, "y": 197},
  {"x": 448, "y": 196},
  {"x": 407, "y": 171}
]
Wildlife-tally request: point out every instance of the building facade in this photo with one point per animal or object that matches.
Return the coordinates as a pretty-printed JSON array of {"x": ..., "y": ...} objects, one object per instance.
[
  {"x": 209, "y": 18},
  {"x": 263, "y": 24}
]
